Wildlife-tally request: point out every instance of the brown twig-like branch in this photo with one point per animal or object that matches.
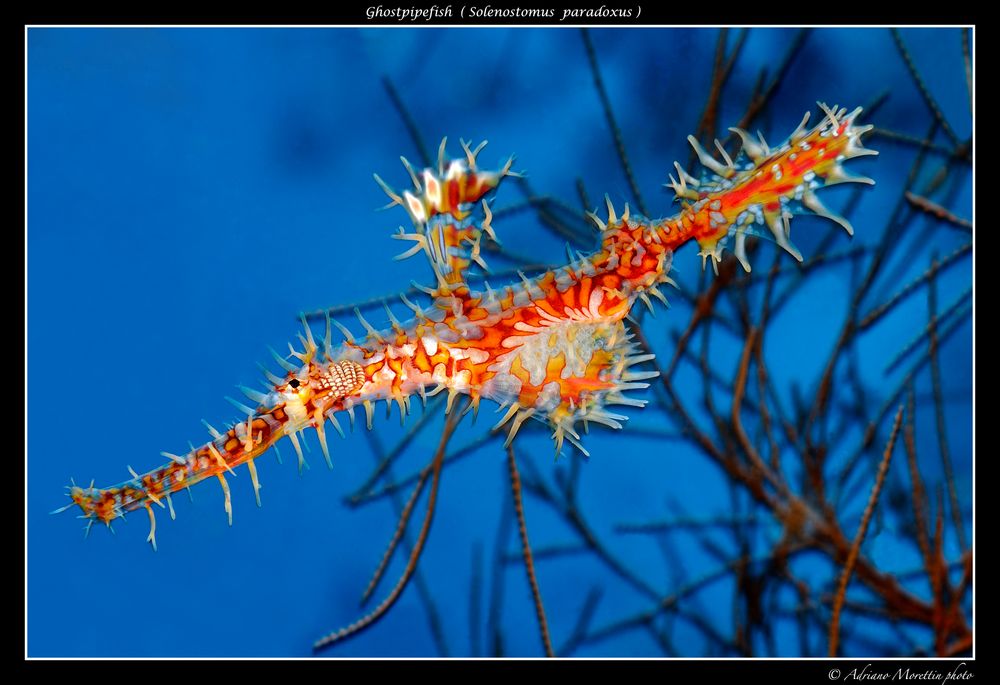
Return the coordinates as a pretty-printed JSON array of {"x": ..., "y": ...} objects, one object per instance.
[
  {"x": 723, "y": 66},
  {"x": 582, "y": 622},
  {"x": 922, "y": 87},
  {"x": 906, "y": 138},
  {"x": 459, "y": 453},
  {"x": 918, "y": 495},
  {"x": 411, "y": 125},
  {"x": 404, "y": 519},
  {"x": 548, "y": 552},
  {"x": 760, "y": 99},
  {"x": 612, "y": 123},
  {"x": 550, "y": 220},
  {"x": 529, "y": 564},
  {"x": 659, "y": 527},
  {"x": 668, "y": 603},
  {"x": 881, "y": 310},
  {"x": 371, "y": 618},
  {"x": 961, "y": 306},
  {"x": 820, "y": 405},
  {"x": 890, "y": 400},
  {"x": 938, "y": 212},
  {"x": 704, "y": 306},
  {"x": 860, "y": 536},
  {"x": 740, "y": 387},
  {"x": 387, "y": 459},
  {"x": 496, "y": 640},
  {"x": 574, "y": 517},
  {"x": 419, "y": 583},
  {"x": 581, "y": 191},
  {"x": 932, "y": 351}
]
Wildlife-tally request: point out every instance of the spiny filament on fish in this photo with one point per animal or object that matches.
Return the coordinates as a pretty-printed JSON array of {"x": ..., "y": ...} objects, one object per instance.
[{"x": 553, "y": 349}]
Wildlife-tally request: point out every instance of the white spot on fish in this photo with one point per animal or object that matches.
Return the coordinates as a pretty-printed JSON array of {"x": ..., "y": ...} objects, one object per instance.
[
  {"x": 416, "y": 207},
  {"x": 461, "y": 380},
  {"x": 430, "y": 345}
]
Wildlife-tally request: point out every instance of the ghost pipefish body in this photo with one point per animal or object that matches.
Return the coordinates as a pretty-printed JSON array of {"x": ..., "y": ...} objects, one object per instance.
[{"x": 553, "y": 348}]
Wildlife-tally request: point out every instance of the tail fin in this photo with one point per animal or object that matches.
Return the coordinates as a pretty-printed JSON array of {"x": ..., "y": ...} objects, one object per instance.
[{"x": 766, "y": 186}]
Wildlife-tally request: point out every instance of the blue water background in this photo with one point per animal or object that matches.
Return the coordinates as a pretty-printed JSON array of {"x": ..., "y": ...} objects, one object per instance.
[{"x": 191, "y": 190}]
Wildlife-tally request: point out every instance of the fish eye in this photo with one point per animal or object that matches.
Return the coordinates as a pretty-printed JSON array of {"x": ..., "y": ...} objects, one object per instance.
[{"x": 294, "y": 383}]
